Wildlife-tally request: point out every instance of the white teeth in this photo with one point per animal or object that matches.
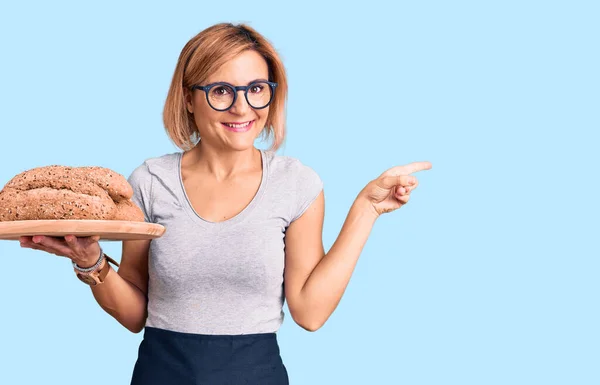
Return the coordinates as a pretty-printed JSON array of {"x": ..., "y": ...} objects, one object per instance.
[{"x": 238, "y": 125}]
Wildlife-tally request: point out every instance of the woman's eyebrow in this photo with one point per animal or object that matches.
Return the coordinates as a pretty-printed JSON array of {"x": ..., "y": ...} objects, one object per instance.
[
  {"x": 257, "y": 80},
  {"x": 250, "y": 82}
]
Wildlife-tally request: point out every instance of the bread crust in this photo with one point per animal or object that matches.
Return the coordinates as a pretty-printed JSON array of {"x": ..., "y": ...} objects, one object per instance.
[
  {"x": 77, "y": 179},
  {"x": 126, "y": 210},
  {"x": 49, "y": 203},
  {"x": 62, "y": 192}
]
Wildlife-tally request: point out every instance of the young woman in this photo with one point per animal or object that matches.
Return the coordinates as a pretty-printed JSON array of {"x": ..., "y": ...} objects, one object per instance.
[{"x": 240, "y": 223}]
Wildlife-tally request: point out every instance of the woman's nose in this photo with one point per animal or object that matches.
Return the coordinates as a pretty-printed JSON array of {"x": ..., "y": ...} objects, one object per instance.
[{"x": 241, "y": 105}]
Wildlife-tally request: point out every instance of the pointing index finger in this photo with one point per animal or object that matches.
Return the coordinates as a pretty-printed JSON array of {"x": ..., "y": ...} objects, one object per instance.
[
  {"x": 408, "y": 169},
  {"x": 417, "y": 166}
]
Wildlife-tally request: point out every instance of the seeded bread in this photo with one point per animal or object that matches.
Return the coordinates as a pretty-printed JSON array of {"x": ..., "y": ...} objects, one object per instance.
[{"x": 61, "y": 192}]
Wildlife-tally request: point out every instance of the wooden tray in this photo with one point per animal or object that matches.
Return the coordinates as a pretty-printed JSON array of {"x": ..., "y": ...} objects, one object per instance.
[{"x": 107, "y": 230}]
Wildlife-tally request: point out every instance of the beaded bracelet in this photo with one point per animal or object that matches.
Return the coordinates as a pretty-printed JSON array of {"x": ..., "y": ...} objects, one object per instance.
[{"x": 91, "y": 268}]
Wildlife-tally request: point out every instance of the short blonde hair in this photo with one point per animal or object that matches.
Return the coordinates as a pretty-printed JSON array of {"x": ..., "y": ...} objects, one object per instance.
[{"x": 203, "y": 55}]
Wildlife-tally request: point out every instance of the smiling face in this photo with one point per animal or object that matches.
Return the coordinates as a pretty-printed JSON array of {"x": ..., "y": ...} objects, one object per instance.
[{"x": 238, "y": 127}]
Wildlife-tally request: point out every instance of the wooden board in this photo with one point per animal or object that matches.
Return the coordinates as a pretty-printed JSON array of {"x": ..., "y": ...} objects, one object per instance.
[{"x": 107, "y": 230}]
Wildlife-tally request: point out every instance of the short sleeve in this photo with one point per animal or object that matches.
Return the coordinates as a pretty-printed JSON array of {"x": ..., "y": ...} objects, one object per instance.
[
  {"x": 141, "y": 183},
  {"x": 308, "y": 188}
]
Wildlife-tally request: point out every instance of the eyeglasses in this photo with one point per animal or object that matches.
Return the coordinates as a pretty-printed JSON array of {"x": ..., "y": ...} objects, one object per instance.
[{"x": 221, "y": 96}]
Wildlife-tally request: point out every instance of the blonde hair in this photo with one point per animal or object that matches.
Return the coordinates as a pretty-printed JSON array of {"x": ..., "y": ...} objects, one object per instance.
[{"x": 203, "y": 55}]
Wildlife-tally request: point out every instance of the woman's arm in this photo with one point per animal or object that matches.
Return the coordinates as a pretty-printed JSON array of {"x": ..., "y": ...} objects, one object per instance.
[
  {"x": 123, "y": 294},
  {"x": 315, "y": 281}
]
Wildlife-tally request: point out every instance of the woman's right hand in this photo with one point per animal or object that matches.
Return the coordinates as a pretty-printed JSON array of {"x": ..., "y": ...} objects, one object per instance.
[{"x": 84, "y": 251}]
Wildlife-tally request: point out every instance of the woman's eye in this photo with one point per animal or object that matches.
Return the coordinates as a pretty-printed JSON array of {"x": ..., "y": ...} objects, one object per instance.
[
  {"x": 256, "y": 89},
  {"x": 220, "y": 91}
]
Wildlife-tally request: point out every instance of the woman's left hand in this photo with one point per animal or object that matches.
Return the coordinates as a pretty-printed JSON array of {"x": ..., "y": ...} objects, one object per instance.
[{"x": 391, "y": 190}]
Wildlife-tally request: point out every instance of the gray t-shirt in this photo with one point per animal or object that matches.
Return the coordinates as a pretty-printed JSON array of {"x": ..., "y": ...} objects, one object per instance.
[{"x": 220, "y": 277}]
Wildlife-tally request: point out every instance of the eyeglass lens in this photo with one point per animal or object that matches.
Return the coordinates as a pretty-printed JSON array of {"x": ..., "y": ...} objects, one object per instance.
[{"x": 221, "y": 96}]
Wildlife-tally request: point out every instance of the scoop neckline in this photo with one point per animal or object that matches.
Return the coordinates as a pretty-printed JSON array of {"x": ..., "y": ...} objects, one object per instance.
[{"x": 189, "y": 208}]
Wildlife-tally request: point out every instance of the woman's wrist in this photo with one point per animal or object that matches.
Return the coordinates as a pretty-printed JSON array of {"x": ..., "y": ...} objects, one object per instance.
[
  {"x": 87, "y": 269},
  {"x": 364, "y": 206}
]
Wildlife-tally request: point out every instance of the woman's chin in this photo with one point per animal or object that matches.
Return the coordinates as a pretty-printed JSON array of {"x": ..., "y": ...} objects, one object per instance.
[{"x": 240, "y": 142}]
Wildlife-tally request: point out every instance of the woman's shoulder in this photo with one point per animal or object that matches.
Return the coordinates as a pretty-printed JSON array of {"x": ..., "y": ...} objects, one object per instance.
[
  {"x": 160, "y": 167},
  {"x": 157, "y": 164},
  {"x": 296, "y": 180},
  {"x": 286, "y": 163},
  {"x": 287, "y": 168}
]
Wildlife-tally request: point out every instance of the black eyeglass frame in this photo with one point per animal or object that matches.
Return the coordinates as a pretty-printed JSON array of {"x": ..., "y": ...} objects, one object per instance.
[{"x": 236, "y": 89}]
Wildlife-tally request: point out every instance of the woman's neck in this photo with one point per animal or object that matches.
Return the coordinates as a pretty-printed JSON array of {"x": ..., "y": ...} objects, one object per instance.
[{"x": 222, "y": 164}]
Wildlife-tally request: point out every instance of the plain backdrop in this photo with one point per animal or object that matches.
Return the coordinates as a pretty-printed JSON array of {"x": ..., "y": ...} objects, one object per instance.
[{"x": 488, "y": 276}]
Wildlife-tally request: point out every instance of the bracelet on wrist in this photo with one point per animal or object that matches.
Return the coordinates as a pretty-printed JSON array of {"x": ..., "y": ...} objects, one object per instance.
[{"x": 91, "y": 268}]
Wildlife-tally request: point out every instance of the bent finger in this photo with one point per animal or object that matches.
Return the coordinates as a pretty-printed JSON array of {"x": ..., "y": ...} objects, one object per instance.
[
  {"x": 89, "y": 240},
  {"x": 52, "y": 245},
  {"x": 412, "y": 187},
  {"x": 39, "y": 247},
  {"x": 390, "y": 181},
  {"x": 404, "y": 199},
  {"x": 74, "y": 243}
]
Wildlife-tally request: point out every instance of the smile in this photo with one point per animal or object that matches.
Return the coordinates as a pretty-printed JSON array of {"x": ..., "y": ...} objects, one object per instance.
[{"x": 239, "y": 127}]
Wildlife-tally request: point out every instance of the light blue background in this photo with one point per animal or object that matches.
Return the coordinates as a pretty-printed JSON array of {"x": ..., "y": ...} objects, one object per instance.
[{"x": 488, "y": 276}]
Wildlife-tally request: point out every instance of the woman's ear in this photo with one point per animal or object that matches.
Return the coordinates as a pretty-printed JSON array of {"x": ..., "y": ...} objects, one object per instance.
[{"x": 187, "y": 95}]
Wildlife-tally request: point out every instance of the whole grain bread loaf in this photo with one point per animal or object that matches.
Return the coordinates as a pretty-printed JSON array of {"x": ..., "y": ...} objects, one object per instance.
[{"x": 63, "y": 192}]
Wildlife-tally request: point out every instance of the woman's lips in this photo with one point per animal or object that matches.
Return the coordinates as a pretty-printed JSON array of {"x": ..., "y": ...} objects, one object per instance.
[{"x": 238, "y": 127}]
